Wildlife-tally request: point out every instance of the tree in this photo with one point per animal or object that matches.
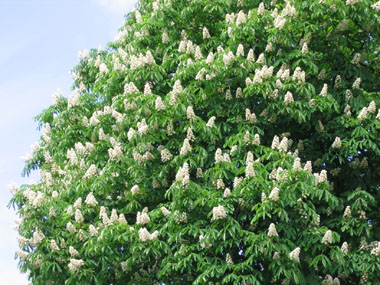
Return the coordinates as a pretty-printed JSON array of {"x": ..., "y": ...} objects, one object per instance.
[{"x": 214, "y": 142}]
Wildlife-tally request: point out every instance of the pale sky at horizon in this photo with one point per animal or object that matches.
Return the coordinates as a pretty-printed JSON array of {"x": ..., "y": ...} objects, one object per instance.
[{"x": 40, "y": 40}]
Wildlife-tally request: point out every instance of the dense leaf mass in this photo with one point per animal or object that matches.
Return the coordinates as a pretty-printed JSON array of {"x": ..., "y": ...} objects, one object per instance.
[{"x": 214, "y": 142}]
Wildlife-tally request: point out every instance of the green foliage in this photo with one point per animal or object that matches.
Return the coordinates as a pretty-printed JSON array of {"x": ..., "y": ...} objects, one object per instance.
[{"x": 137, "y": 189}]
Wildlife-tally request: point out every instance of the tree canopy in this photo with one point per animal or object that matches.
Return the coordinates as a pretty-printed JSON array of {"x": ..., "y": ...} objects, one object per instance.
[{"x": 213, "y": 142}]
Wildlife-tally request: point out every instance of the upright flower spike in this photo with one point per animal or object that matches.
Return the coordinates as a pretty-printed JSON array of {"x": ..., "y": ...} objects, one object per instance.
[
  {"x": 337, "y": 143},
  {"x": 218, "y": 213},
  {"x": 295, "y": 255},
  {"x": 186, "y": 148},
  {"x": 324, "y": 90},
  {"x": 206, "y": 34},
  {"x": 274, "y": 194},
  {"x": 327, "y": 238},
  {"x": 272, "y": 232}
]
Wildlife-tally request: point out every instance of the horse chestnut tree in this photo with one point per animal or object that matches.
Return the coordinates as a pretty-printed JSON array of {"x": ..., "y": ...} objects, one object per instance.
[{"x": 213, "y": 142}]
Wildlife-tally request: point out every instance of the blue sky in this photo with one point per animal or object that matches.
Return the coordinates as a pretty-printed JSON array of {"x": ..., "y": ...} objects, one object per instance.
[{"x": 40, "y": 40}]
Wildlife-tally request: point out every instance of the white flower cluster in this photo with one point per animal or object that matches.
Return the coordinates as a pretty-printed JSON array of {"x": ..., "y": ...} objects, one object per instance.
[
  {"x": 227, "y": 192},
  {"x": 205, "y": 33},
  {"x": 371, "y": 107},
  {"x": 200, "y": 74},
  {"x": 73, "y": 251},
  {"x": 135, "y": 189},
  {"x": 130, "y": 105},
  {"x": 275, "y": 142},
  {"x": 376, "y": 249},
  {"x": 70, "y": 228},
  {"x": 251, "y": 55},
  {"x": 177, "y": 88},
  {"x": 218, "y": 156},
  {"x": 261, "y": 60},
  {"x": 237, "y": 181},
  {"x": 283, "y": 74},
  {"x": 142, "y": 127},
  {"x": 376, "y": 6},
  {"x": 210, "y": 58},
  {"x": 297, "y": 164},
  {"x": 73, "y": 100},
  {"x": 165, "y": 212},
  {"x": 22, "y": 254},
  {"x": 356, "y": 59},
  {"x": 92, "y": 170},
  {"x": 144, "y": 235},
  {"x": 46, "y": 132},
  {"x": 54, "y": 246},
  {"x": 218, "y": 213},
  {"x": 344, "y": 248},
  {"x": 90, "y": 200},
  {"x": 180, "y": 218},
  {"x": 240, "y": 19},
  {"x": 190, "y": 135},
  {"x": 327, "y": 238},
  {"x": 251, "y": 117},
  {"x": 347, "y": 212},
  {"x": 324, "y": 90},
  {"x": 299, "y": 75},
  {"x": 159, "y": 105},
  {"x": 228, "y": 58},
  {"x": 103, "y": 215},
  {"x": 305, "y": 48},
  {"x": 219, "y": 183},
  {"x": 186, "y": 147},
  {"x": 240, "y": 50},
  {"x": 131, "y": 133},
  {"x": 147, "y": 90},
  {"x": 103, "y": 68},
  {"x": 116, "y": 152},
  {"x": 249, "y": 170},
  {"x": 165, "y": 155},
  {"x": 93, "y": 231},
  {"x": 330, "y": 281},
  {"x": 288, "y": 98},
  {"x": 272, "y": 232},
  {"x": 211, "y": 122},
  {"x": 279, "y": 22},
  {"x": 75, "y": 265},
  {"x": 78, "y": 216},
  {"x": 142, "y": 217},
  {"x": 78, "y": 203},
  {"x": 190, "y": 114},
  {"x": 308, "y": 166},
  {"x": 13, "y": 188},
  {"x": 57, "y": 95},
  {"x": 284, "y": 144},
  {"x": 274, "y": 194},
  {"x": 130, "y": 88},
  {"x": 356, "y": 84},
  {"x": 322, "y": 177},
  {"x": 183, "y": 174},
  {"x": 141, "y": 60},
  {"x": 337, "y": 143},
  {"x": 295, "y": 254},
  {"x": 165, "y": 36},
  {"x": 363, "y": 114},
  {"x": 229, "y": 260},
  {"x": 38, "y": 237}
]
